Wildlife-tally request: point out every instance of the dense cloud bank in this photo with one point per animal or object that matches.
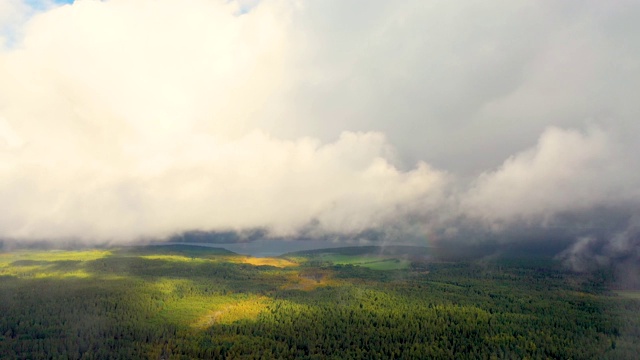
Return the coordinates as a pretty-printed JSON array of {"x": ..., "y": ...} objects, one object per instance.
[{"x": 123, "y": 120}]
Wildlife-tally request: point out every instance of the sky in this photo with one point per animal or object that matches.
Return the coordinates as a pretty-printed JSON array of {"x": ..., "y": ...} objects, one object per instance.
[{"x": 126, "y": 120}]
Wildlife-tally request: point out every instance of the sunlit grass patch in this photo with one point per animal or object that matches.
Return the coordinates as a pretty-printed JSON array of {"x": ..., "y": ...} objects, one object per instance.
[
  {"x": 179, "y": 306},
  {"x": 247, "y": 309},
  {"x": 63, "y": 274},
  {"x": 20, "y": 271},
  {"x": 63, "y": 255},
  {"x": 187, "y": 309},
  {"x": 33, "y": 260},
  {"x": 180, "y": 301},
  {"x": 268, "y": 261},
  {"x": 51, "y": 263},
  {"x": 42, "y": 271},
  {"x": 173, "y": 258},
  {"x": 185, "y": 302},
  {"x": 309, "y": 280}
]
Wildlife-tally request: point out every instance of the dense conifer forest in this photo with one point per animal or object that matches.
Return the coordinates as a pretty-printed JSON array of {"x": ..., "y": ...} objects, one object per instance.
[{"x": 184, "y": 302}]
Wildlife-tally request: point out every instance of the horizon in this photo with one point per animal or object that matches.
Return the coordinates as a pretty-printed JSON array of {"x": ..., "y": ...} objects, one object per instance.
[{"x": 510, "y": 124}]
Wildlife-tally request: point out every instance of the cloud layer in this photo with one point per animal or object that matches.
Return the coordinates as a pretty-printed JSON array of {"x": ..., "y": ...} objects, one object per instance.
[{"x": 129, "y": 119}]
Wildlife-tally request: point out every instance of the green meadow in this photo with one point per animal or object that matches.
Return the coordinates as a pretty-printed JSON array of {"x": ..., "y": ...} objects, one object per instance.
[
  {"x": 629, "y": 294},
  {"x": 371, "y": 262}
]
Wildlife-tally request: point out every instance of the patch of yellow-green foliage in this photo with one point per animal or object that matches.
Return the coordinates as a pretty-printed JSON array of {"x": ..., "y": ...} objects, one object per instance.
[
  {"x": 48, "y": 264},
  {"x": 231, "y": 309},
  {"x": 369, "y": 261},
  {"x": 181, "y": 302},
  {"x": 265, "y": 261},
  {"x": 176, "y": 293},
  {"x": 54, "y": 255},
  {"x": 173, "y": 258}
]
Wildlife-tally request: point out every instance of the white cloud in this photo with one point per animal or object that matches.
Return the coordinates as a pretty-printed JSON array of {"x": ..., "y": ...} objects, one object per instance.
[
  {"x": 118, "y": 126},
  {"x": 200, "y": 183},
  {"x": 567, "y": 171},
  {"x": 128, "y": 118}
]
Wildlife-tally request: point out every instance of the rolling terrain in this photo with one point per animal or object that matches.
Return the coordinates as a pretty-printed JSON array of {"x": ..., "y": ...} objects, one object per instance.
[{"x": 184, "y": 302}]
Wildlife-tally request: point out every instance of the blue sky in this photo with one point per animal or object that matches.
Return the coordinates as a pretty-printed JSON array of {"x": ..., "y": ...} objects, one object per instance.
[{"x": 38, "y": 4}]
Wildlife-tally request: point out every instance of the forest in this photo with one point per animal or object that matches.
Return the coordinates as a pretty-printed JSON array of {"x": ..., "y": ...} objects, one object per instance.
[{"x": 192, "y": 302}]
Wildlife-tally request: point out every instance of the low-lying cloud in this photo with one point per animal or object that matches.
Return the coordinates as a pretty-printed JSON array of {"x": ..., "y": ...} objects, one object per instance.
[
  {"x": 199, "y": 183},
  {"x": 567, "y": 170},
  {"x": 123, "y": 120}
]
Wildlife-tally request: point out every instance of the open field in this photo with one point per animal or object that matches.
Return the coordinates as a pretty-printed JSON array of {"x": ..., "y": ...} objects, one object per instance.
[
  {"x": 371, "y": 262},
  {"x": 183, "y": 302},
  {"x": 629, "y": 294},
  {"x": 372, "y": 257}
]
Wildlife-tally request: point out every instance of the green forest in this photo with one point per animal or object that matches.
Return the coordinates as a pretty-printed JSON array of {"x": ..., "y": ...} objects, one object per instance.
[{"x": 189, "y": 302}]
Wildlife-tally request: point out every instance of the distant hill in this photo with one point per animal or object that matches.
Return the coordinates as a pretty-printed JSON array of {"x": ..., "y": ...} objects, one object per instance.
[
  {"x": 218, "y": 237},
  {"x": 392, "y": 250},
  {"x": 177, "y": 249}
]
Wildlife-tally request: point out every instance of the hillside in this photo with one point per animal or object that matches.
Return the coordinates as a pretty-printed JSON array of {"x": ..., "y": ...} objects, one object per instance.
[{"x": 184, "y": 302}]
